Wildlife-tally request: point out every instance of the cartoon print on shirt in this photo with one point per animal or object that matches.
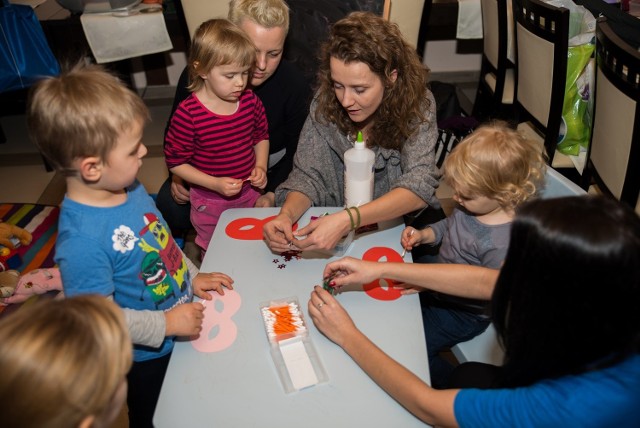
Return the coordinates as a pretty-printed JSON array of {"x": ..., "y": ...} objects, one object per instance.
[
  {"x": 169, "y": 252},
  {"x": 155, "y": 278},
  {"x": 123, "y": 239}
]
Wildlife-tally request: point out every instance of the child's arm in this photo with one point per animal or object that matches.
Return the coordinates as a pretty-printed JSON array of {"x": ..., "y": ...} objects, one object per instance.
[
  {"x": 226, "y": 186},
  {"x": 412, "y": 237},
  {"x": 203, "y": 282},
  {"x": 146, "y": 327},
  {"x": 149, "y": 328},
  {"x": 258, "y": 176}
]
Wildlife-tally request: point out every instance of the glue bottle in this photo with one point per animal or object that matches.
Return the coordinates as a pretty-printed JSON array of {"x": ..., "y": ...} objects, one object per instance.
[{"x": 358, "y": 174}]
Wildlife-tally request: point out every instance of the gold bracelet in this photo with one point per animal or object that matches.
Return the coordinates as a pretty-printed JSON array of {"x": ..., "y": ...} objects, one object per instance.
[
  {"x": 353, "y": 225},
  {"x": 358, "y": 214}
]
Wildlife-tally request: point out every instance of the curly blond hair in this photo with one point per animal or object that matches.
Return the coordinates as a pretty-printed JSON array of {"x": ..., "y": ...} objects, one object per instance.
[{"x": 497, "y": 162}]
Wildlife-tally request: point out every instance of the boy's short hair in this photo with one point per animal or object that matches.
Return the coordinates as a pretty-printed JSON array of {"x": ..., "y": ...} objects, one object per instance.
[
  {"x": 497, "y": 162},
  {"x": 266, "y": 13},
  {"x": 218, "y": 42},
  {"x": 81, "y": 113}
]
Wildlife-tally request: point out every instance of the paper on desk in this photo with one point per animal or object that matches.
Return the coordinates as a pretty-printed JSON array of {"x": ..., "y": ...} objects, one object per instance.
[
  {"x": 113, "y": 38},
  {"x": 469, "y": 20},
  {"x": 298, "y": 363}
]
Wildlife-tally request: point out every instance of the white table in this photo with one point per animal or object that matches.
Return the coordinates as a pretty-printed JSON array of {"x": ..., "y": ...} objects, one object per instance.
[{"x": 238, "y": 386}]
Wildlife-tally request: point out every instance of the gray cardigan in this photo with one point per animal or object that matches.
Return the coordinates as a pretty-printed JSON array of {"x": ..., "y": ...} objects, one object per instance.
[{"x": 319, "y": 164}]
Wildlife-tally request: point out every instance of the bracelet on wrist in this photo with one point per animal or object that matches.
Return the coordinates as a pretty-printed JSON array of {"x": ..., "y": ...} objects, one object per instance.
[
  {"x": 353, "y": 225},
  {"x": 357, "y": 216}
]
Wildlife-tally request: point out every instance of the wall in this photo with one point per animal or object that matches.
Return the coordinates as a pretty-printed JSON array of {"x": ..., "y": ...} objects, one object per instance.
[{"x": 406, "y": 13}]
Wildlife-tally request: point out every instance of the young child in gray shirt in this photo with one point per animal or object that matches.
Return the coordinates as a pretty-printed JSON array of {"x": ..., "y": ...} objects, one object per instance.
[{"x": 492, "y": 171}]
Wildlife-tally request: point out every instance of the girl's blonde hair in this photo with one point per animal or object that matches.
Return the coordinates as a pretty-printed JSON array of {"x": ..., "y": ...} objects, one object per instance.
[
  {"x": 63, "y": 361},
  {"x": 265, "y": 13},
  {"x": 218, "y": 42},
  {"x": 497, "y": 162}
]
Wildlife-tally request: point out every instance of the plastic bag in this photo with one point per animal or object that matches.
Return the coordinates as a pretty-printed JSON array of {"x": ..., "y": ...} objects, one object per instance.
[
  {"x": 575, "y": 129},
  {"x": 25, "y": 56}
]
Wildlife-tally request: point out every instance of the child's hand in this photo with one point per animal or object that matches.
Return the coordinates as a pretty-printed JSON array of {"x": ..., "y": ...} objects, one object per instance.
[
  {"x": 258, "y": 178},
  {"x": 204, "y": 282},
  {"x": 412, "y": 237},
  {"x": 409, "y": 238},
  {"x": 227, "y": 186},
  {"x": 184, "y": 320}
]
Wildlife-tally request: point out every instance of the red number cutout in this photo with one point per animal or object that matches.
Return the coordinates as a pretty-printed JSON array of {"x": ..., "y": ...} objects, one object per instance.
[
  {"x": 376, "y": 289},
  {"x": 227, "y": 331},
  {"x": 249, "y": 228}
]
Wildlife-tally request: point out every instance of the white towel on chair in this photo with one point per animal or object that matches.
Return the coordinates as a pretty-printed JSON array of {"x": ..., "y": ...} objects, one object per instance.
[
  {"x": 113, "y": 38},
  {"x": 469, "y": 19}
]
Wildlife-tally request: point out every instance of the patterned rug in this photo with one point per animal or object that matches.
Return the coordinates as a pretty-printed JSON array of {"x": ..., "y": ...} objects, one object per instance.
[{"x": 42, "y": 222}]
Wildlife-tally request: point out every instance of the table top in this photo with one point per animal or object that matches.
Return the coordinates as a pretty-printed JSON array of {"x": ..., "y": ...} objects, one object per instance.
[{"x": 232, "y": 379}]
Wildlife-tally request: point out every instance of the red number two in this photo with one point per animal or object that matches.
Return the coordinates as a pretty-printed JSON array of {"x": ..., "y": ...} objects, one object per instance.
[
  {"x": 249, "y": 228},
  {"x": 377, "y": 289},
  {"x": 218, "y": 329}
]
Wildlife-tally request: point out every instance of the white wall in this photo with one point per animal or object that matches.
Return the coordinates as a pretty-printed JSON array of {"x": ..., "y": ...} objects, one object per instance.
[{"x": 406, "y": 13}]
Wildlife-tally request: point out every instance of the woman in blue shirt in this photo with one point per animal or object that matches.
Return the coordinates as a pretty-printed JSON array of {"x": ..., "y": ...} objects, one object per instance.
[{"x": 565, "y": 307}]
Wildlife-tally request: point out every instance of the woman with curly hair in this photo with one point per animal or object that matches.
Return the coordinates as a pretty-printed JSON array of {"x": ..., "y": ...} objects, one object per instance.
[{"x": 370, "y": 80}]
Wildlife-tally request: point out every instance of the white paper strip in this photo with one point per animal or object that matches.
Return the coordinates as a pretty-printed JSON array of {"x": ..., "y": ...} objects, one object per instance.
[{"x": 298, "y": 364}]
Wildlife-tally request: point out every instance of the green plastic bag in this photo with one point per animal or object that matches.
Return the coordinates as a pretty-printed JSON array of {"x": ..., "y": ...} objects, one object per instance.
[{"x": 575, "y": 129}]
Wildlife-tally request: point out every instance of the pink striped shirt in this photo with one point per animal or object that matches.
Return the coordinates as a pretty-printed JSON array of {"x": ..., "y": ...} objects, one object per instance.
[{"x": 218, "y": 145}]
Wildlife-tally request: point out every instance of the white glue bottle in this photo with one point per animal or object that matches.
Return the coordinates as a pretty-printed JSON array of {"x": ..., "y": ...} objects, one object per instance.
[{"x": 358, "y": 174}]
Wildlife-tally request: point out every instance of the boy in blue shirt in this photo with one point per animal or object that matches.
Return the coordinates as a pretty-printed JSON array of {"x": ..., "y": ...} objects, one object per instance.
[{"x": 112, "y": 240}]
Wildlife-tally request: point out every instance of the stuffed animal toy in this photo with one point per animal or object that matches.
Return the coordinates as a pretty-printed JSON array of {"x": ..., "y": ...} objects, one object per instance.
[
  {"x": 38, "y": 281},
  {"x": 8, "y": 282},
  {"x": 11, "y": 236}
]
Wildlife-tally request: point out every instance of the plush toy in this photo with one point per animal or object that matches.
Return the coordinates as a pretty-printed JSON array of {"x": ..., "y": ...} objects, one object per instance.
[
  {"x": 8, "y": 282},
  {"x": 11, "y": 236},
  {"x": 38, "y": 281}
]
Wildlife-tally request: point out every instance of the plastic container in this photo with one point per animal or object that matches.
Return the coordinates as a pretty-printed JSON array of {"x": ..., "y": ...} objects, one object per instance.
[
  {"x": 292, "y": 351},
  {"x": 358, "y": 174}
]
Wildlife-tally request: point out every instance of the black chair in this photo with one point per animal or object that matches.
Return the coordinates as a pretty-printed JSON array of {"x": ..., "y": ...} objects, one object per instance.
[
  {"x": 613, "y": 159},
  {"x": 542, "y": 39},
  {"x": 424, "y": 27},
  {"x": 496, "y": 88}
]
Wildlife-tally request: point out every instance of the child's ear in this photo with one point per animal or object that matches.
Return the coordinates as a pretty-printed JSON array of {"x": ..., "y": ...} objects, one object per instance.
[{"x": 90, "y": 168}]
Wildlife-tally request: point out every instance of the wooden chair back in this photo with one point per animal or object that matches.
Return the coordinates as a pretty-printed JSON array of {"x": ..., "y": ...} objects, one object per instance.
[
  {"x": 542, "y": 39},
  {"x": 496, "y": 87},
  {"x": 613, "y": 159}
]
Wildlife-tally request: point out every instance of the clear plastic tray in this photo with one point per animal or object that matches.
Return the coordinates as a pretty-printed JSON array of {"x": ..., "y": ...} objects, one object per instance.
[{"x": 292, "y": 350}]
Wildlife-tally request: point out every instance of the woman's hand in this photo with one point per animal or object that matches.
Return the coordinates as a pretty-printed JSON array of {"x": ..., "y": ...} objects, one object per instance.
[
  {"x": 324, "y": 232},
  {"x": 278, "y": 234},
  {"x": 179, "y": 192},
  {"x": 350, "y": 271},
  {"x": 330, "y": 317}
]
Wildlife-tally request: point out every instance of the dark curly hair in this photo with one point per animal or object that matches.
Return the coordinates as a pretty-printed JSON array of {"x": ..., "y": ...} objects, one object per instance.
[{"x": 367, "y": 38}]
